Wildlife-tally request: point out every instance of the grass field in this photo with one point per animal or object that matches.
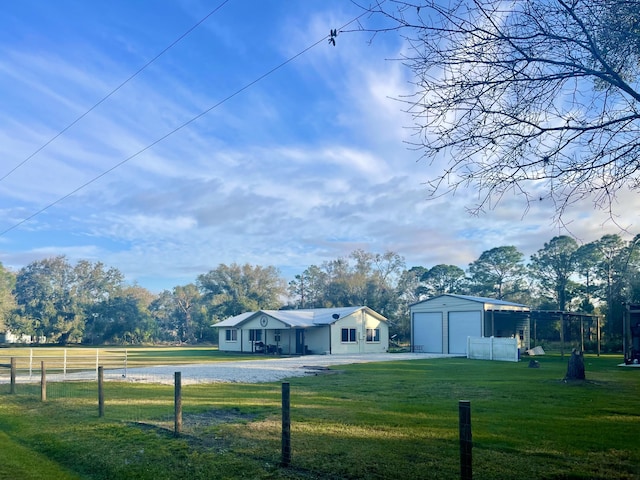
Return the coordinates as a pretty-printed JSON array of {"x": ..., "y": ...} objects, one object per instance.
[
  {"x": 369, "y": 421},
  {"x": 111, "y": 357}
]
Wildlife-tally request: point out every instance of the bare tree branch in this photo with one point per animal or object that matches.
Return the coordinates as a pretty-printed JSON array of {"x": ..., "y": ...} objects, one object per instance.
[{"x": 540, "y": 98}]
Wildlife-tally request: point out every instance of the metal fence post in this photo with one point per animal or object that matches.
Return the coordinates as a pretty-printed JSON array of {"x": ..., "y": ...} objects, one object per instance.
[
  {"x": 178, "y": 403},
  {"x": 464, "y": 409},
  {"x": 100, "y": 391},
  {"x": 286, "y": 424},
  {"x": 13, "y": 375}
]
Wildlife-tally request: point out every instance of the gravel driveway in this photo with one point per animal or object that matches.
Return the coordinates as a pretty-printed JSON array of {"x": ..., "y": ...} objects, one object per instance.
[
  {"x": 250, "y": 371},
  {"x": 260, "y": 370}
]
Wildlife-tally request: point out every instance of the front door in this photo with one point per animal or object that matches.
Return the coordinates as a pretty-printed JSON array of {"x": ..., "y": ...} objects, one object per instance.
[{"x": 300, "y": 341}]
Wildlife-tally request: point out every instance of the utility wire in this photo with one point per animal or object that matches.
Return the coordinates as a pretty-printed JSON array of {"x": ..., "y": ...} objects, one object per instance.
[
  {"x": 105, "y": 98},
  {"x": 332, "y": 34}
]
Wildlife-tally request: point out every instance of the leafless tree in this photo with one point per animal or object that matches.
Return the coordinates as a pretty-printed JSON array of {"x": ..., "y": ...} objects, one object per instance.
[{"x": 540, "y": 98}]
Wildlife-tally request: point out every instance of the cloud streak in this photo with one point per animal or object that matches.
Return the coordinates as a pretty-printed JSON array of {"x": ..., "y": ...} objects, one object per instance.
[{"x": 304, "y": 167}]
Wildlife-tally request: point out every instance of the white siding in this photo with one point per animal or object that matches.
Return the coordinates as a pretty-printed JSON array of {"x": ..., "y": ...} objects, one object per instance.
[
  {"x": 382, "y": 345},
  {"x": 359, "y": 321},
  {"x": 461, "y": 326},
  {"x": 231, "y": 346},
  {"x": 462, "y": 317},
  {"x": 427, "y": 332},
  {"x": 317, "y": 339},
  {"x": 353, "y": 321},
  {"x": 298, "y": 331},
  {"x": 444, "y": 306}
]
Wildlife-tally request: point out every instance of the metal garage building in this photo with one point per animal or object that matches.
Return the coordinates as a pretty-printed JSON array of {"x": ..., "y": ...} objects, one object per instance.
[{"x": 442, "y": 324}]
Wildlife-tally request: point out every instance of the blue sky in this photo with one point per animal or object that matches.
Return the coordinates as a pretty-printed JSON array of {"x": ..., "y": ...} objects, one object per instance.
[{"x": 301, "y": 165}]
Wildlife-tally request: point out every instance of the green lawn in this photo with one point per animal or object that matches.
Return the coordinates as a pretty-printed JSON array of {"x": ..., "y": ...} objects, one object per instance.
[{"x": 371, "y": 421}]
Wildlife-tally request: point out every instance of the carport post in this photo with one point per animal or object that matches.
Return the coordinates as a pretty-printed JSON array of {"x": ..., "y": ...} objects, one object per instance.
[
  {"x": 464, "y": 410},
  {"x": 286, "y": 424}
]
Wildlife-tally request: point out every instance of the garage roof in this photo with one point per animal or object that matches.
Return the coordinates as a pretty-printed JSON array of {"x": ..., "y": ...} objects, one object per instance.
[{"x": 489, "y": 303}]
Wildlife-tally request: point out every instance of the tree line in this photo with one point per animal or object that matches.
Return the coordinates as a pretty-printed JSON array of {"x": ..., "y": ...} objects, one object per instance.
[{"x": 92, "y": 304}]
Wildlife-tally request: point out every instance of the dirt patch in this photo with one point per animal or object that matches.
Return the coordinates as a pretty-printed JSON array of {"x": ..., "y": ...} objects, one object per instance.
[
  {"x": 196, "y": 427},
  {"x": 319, "y": 370},
  {"x": 194, "y": 421},
  {"x": 216, "y": 417}
]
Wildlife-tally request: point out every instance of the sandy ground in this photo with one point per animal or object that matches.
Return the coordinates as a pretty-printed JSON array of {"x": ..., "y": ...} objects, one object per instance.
[{"x": 242, "y": 371}]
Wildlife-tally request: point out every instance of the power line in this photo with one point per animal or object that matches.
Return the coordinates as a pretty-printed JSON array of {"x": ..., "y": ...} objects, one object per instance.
[
  {"x": 178, "y": 128},
  {"x": 112, "y": 92}
]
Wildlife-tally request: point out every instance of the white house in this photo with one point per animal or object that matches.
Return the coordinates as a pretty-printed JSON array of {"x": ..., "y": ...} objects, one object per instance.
[
  {"x": 312, "y": 331},
  {"x": 442, "y": 324},
  {"x": 10, "y": 337}
]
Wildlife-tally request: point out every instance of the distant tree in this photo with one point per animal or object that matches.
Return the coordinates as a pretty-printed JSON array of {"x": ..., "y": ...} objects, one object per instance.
[
  {"x": 387, "y": 270},
  {"x": 552, "y": 267},
  {"x": 187, "y": 302},
  {"x": 410, "y": 286},
  {"x": 361, "y": 278},
  {"x": 7, "y": 300},
  {"x": 498, "y": 272},
  {"x": 372, "y": 279},
  {"x": 234, "y": 289},
  {"x": 45, "y": 304},
  {"x": 587, "y": 258},
  {"x": 93, "y": 282},
  {"x": 409, "y": 290},
  {"x": 308, "y": 289},
  {"x": 165, "y": 323},
  {"x": 123, "y": 318},
  {"x": 610, "y": 271},
  {"x": 536, "y": 97},
  {"x": 442, "y": 279},
  {"x": 364, "y": 278}
]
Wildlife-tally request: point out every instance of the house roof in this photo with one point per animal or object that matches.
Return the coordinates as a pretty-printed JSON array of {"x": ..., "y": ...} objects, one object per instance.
[
  {"x": 304, "y": 318},
  {"x": 484, "y": 300}
]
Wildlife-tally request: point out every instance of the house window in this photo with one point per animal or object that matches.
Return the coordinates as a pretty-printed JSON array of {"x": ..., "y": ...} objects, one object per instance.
[
  {"x": 348, "y": 335},
  {"x": 373, "y": 334},
  {"x": 276, "y": 336},
  {"x": 255, "y": 335},
  {"x": 231, "y": 335}
]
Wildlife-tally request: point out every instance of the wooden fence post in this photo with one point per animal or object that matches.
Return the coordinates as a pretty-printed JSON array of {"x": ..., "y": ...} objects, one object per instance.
[
  {"x": 101, "y": 391},
  {"x": 464, "y": 410},
  {"x": 286, "y": 424},
  {"x": 43, "y": 382},
  {"x": 13, "y": 375},
  {"x": 178, "y": 403}
]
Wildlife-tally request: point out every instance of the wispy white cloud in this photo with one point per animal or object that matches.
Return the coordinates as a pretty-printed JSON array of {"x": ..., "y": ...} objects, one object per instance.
[{"x": 303, "y": 167}]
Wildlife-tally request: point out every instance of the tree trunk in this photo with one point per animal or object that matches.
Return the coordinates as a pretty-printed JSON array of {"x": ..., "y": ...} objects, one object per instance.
[{"x": 575, "y": 368}]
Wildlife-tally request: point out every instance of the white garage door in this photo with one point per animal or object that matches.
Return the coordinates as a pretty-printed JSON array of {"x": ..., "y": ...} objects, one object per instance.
[
  {"x": 427, "y": 332},
  {"x": 461, "y": 326}
]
